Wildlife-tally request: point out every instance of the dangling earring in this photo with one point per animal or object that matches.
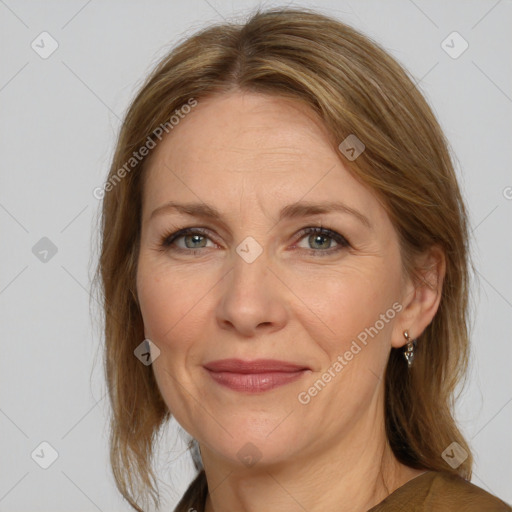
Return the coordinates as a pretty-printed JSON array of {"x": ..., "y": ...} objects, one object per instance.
[{"x": 409, "y": 350}]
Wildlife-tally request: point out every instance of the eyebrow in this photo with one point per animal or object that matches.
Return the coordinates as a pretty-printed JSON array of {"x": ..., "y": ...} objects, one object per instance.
[{"x": 291, "y": 211}]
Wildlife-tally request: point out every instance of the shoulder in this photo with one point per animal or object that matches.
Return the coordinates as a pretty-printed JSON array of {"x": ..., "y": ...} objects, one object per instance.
[
  {"x": 437, "y": 491},
  {"x": 462, "y": 494}
]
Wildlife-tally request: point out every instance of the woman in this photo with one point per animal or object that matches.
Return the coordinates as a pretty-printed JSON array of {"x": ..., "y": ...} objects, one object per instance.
[{"x": 310, "y": 377}]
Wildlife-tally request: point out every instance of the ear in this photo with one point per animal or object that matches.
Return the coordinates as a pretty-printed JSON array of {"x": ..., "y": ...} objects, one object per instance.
[{"x": 421, "y": 296}]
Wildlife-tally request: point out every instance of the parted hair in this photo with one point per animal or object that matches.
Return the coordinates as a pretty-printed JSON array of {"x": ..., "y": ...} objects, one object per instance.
[{"x": 355, "y": 87}]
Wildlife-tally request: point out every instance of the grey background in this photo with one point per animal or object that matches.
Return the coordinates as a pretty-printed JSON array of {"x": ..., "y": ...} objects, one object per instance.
[{"x": 59, "y": 118}]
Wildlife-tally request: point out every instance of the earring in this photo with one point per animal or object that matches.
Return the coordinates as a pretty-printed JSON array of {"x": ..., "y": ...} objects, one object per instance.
[{"x": 409, "y": 350}]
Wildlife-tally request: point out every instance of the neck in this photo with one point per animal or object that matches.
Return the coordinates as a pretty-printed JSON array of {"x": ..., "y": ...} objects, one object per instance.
[{"x": 350, "y": 475}]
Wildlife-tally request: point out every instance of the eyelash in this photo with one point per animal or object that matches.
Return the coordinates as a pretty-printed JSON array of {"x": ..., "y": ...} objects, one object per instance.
[{"x": 170, "y": 237}]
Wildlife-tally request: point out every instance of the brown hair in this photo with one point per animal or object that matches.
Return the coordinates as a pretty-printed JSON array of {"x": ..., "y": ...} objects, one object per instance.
[{"x": 355, "y": 87}]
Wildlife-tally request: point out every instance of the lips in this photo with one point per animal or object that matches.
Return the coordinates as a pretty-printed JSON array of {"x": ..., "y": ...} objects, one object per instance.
[
  {"x": 254, "y": 376},
  {"x": 254, "y": 366}
]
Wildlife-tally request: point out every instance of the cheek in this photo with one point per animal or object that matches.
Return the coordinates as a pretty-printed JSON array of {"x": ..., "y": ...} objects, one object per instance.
[
  {"x": 167, "y": 301},
  {"x": 171, "y": 308},
  {"x": 346, "y": 303}
]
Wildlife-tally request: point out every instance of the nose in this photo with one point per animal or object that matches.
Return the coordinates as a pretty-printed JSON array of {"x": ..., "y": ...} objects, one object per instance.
[{"x": 253, "y": 299}]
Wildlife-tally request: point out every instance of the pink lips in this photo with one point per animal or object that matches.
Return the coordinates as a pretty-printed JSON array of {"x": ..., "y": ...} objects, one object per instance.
[{"x": 254, "y": 376}]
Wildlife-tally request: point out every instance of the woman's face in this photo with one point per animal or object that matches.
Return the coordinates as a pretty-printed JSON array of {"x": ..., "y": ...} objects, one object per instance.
[{"x": 253, "y": 283}]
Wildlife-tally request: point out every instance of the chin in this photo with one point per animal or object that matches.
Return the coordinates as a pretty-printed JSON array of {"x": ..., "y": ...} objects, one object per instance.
[{"x": 252, "y": 441}]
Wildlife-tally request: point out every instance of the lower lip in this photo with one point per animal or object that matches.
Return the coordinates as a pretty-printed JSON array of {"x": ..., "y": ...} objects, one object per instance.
[{"x": 255, "y": 382}]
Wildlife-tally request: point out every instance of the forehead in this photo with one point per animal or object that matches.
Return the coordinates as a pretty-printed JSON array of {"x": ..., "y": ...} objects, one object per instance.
[
  {"x": 241, "y": 125},
  {"x": 249, "y": 145}
]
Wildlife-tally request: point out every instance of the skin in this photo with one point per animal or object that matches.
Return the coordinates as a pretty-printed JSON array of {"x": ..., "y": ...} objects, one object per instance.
[{"x": 249, "y": 155}]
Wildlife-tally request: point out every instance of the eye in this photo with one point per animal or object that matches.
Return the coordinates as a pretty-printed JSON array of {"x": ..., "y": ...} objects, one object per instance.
[
  {"x": 320, "y": 240},
  {"x": 193, "y": 238}
]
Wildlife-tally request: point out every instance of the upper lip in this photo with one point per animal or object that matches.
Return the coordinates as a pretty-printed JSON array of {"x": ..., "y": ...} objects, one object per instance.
[{"x": 254, "y": 366}]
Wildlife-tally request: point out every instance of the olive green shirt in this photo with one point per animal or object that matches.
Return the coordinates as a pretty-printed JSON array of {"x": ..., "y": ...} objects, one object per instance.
[
  {"x": 430, "y": 492},
  {"x": 443, "y": 492}
]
